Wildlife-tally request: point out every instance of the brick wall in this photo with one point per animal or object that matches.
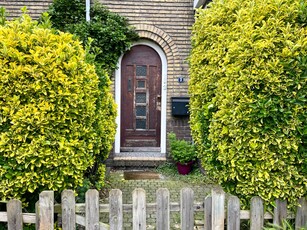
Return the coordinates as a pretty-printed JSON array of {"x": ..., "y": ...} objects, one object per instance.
[
  {"x": 35, "y": 7},
  {"x": 168, "y": 23}
]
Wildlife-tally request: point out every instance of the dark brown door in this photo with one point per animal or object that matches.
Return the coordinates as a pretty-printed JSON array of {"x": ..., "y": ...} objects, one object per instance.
[{"x": 141, "y": 98}]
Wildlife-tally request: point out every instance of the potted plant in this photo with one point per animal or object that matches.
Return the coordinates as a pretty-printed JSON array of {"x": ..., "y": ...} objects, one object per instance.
[{"x": 183, "y": 153}]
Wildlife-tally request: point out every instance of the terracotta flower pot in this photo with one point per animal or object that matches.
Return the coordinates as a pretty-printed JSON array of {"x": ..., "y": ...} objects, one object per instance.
[{"x": 185, "y": 168}]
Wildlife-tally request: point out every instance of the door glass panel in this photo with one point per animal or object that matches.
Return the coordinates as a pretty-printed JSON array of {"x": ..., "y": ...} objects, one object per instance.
[
  {"x": 140, "y": 97},
  {"x": 141, "y": 84},
  {"x": 141, "y": 70},
  {"x": 140, "y": 124},
  {"x": 140, "y": 110}
]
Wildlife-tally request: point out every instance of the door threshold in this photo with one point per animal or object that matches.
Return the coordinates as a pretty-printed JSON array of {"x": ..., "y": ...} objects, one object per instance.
[{"x": 142, "y": 159}]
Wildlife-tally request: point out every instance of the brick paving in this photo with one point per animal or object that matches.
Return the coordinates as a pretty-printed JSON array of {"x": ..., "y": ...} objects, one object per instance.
[{"x": 116, "y": 179}]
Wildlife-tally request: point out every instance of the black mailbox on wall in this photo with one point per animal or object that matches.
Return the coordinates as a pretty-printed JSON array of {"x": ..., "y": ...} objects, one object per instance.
[{"x": 180, "y": 106}]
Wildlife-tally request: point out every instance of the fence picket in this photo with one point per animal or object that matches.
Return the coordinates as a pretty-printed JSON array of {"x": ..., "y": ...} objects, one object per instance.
[
  {"x": 218, "y": 213},
  {"x": 280, "y": 212},
  {"x": 233, "y": 213},
  {"x": 92, "y": 210},
  {"x": 163, "y": 209},
  {"x": 14, "y": 215},
  {"x": 116, "y": 209},
  {"x": 87, "y": 214},
  {"x": 37, "y": 220},
  {"x": 139, "y": 209},
  {"x": 46, "y": 210},
  {"x": 256, "y": 215},
  {"x": 301, "y": 215},
  {"x": 208, "y": 213},
  {"x": 68, "y": 210},
  {"x": 187, "y": 209}
]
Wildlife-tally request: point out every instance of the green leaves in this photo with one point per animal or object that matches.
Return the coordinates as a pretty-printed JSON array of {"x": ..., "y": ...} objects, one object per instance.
[
  {"x": 181, "y": 150},
  {"x": 3, "y": 15},
  {"x": 110, "y": 33},
  {"x": 56, "y": 119},
  {"x": 248, "y": 63}
]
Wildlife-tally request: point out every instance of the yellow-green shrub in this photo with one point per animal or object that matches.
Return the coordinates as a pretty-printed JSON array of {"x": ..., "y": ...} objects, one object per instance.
[
  {"x": 55, "y": 121},
  {"x": 248, "y": 96}
]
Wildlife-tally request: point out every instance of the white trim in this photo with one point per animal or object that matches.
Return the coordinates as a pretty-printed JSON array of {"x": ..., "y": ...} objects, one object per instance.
[
  {"x": 198, "y": 3},
  {"x": 87, "y": 10},
  {"x": 163, "y": 95}
]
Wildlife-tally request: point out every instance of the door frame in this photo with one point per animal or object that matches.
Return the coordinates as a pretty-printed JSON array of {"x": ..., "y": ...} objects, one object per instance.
[{"x": 163, "y": 95}]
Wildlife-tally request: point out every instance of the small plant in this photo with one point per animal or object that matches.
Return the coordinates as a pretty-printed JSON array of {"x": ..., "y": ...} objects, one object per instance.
[
  {"x": 181, "y": 151},
  {"x": 286, "y": 225}
]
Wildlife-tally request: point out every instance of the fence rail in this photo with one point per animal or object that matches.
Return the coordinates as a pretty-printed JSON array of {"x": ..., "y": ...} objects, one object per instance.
[{"x": 217, "y": 214}]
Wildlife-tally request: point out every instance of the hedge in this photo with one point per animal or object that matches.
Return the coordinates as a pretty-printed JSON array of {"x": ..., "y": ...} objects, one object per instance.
[
  {"x": 55, "y": 121},
  {"x": 248, "y": 96}
]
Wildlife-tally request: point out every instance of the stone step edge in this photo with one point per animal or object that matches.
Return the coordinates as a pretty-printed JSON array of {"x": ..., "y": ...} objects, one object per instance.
[{"x": 139, "y": 158}]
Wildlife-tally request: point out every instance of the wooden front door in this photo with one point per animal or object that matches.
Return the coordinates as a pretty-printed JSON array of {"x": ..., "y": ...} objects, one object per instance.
[{"x": 141, "y": 98}]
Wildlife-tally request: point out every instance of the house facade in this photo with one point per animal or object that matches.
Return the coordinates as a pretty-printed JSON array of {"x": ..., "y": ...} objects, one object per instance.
[{"x": 151, "y": 82}]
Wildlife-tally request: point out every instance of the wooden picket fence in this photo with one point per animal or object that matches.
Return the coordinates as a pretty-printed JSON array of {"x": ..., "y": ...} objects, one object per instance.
[{"x": 87, "y": 214}]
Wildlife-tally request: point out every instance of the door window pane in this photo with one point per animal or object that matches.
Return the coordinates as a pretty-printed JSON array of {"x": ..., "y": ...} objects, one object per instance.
[
  {"x": 141, "y": 84},
  {"x": 140, "y": 110},
  {"x": 140, "y": 124},
  {"x": 140, "y": 97},
  {"x": 141, "y": 70}
]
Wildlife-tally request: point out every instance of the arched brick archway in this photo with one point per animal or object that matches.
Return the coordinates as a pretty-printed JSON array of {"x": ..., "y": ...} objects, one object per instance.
[{"x": 150, "y": 32}]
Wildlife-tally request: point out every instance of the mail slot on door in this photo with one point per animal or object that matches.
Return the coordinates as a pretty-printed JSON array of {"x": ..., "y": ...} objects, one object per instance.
[{"x": 180, "y": 106}]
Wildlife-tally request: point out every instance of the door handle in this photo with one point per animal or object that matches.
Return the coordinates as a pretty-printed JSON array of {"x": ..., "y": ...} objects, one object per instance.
[{"x": 159, "y": 102}]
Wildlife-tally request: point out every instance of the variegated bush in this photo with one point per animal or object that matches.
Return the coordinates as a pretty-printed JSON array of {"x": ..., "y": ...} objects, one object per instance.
[
  {"x": 249, "y": 96},
  {"x": 55, "y": 119}
]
